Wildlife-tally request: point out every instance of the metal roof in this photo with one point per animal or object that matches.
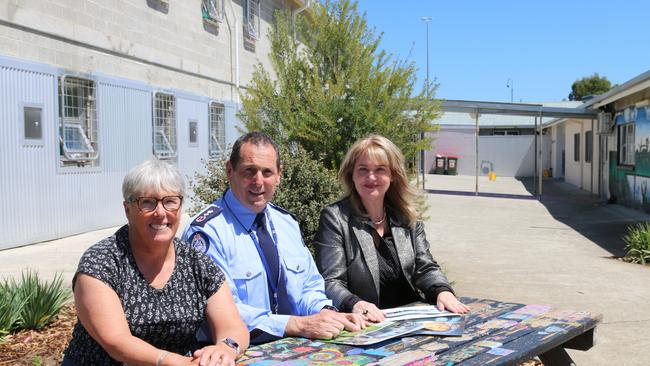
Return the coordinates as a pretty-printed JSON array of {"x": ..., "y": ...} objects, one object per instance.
[{"x": 516, "y": 109}]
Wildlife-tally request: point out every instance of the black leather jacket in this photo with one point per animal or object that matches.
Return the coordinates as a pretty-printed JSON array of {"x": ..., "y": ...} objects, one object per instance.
[{"x": 347, "y": 258}]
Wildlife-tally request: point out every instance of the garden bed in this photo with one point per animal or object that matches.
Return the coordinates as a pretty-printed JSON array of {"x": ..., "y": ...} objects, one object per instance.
[{"x": 43, "y": 347}]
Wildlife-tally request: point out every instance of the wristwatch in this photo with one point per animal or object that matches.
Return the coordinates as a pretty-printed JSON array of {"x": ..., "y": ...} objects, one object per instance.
[
  {"x": 231, "y": 343},
  {"x": 330, "y": 307}
]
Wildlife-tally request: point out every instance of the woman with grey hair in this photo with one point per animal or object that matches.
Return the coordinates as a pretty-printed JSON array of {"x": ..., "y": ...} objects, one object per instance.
[{"x": 142, "y": 294}]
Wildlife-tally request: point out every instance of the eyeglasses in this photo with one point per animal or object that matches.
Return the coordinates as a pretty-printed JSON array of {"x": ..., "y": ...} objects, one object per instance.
[{"x": 149, "y": 204}]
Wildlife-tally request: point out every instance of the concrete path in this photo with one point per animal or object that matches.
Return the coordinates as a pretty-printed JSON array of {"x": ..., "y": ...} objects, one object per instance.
[{"x": 556, "y": 251}]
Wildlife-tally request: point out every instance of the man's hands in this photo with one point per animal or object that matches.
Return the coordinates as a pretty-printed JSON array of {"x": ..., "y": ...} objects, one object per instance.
[
  {"x": 447, "y": 301},
  {"x": 327, "y": 324}
]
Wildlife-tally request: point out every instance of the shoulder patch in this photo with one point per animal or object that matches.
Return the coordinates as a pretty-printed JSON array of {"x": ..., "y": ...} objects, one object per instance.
[
  {"x": 199, "y": 241},
  {"x": 284, "y": 211},
  {"x": 205, "y": 216}
]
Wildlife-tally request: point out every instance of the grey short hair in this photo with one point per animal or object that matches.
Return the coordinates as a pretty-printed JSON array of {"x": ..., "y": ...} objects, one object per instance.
[{"x": 152, "y": 174}]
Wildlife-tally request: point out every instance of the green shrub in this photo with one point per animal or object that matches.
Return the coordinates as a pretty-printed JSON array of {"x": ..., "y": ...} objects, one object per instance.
[
  {"x": 305, "y": 188},
  {"x": 30, "y": 304},
  {"x": 10, "y": 307},
  {"x": 43, "y": 300},
  {"x": 637, "y": 243}
]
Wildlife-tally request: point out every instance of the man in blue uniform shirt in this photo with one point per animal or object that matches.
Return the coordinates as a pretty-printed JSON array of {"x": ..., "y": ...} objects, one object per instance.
[{"x": 271, "y": 273}]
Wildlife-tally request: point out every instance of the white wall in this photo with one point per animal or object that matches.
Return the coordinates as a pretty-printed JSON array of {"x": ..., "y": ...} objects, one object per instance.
[
  {"x": 508, "y": 156},
  {"x": 558, "y": 145},
  {"x": 581, "y": 173},
  {"x": 113, "y": 37}
]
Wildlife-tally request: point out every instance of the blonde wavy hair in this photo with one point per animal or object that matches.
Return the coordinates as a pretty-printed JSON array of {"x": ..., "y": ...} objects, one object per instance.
[{"x": 400, "y": 195}]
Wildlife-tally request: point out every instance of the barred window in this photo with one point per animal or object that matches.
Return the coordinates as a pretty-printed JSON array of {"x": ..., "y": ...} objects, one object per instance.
[
  {"x": 164, "y": 126},
  {"x": 78, "y": 137},
  {"x": 217, "y": 129},
  {"x": 252, "y": 19},
  {"x": 213, "y": 10}
]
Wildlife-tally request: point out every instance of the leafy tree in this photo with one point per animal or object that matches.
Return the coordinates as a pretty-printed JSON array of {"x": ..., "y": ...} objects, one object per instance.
[
  {"x": 332, "y": 85},
  {"x": 590, "y": 85}
]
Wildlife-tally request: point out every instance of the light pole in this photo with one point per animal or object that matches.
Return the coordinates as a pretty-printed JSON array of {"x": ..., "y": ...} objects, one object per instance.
[
  {"x": 510, "y": 84},
  {"x": 426, "y": 21}
]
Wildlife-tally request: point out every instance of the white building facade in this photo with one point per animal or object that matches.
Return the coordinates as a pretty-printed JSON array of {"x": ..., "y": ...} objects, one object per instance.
[
  {"x": 609, "y": 156},
  {"x": 506, "y": 143},
  {"x": 89, "y": 89}
]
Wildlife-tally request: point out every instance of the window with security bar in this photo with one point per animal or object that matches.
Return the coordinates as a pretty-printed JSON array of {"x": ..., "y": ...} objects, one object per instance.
[
  {"x": 78, "y": 130},
  {"x": 164, "y": 126},
  {"x": 217, "y": 129},
  {"x": 213, "y": 10},
  {"x": 252, "y": 11}
]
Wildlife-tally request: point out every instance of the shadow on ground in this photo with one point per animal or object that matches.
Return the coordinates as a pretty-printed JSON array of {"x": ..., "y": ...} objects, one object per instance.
[{"x": 602, "y": 223}]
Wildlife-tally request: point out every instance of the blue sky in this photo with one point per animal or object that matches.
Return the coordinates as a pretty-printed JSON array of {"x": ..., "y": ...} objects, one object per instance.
[{"x": 542, "y": 45}]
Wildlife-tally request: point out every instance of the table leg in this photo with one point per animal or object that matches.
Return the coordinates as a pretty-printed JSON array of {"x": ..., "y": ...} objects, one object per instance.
[{"x": 556, "y": 357}]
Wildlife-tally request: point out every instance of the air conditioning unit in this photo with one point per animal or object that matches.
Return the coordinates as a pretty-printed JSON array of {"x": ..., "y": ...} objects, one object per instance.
[{"x": 605, "y": 123}]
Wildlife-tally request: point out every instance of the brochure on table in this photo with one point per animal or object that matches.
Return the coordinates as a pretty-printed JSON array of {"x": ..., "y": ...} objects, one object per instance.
[
  {"x": 416, "y": 312},
  {"x": 375, "y": 333}
]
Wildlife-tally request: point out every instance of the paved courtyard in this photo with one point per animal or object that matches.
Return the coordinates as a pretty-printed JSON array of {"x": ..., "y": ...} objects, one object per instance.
[{"x": 556, "y": 251}]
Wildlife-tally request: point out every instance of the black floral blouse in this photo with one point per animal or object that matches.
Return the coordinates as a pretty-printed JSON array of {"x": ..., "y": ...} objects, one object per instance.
[{"x": 166, "y": 318}]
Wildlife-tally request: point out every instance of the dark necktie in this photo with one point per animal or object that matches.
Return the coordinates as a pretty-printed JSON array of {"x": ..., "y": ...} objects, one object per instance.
[{"x": 268, "y": 248}]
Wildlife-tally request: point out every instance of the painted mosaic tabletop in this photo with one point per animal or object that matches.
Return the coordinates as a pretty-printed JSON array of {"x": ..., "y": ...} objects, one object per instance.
[{"x": 496, "y": 333}]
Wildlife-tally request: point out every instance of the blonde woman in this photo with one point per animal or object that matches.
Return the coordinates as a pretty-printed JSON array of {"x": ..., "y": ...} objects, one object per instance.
[{"x": 370, "y": 248}]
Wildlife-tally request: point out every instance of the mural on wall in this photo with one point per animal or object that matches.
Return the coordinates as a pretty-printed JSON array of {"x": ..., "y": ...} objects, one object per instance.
[
  {"x": 618, "y": 187},
  {"x": 629, "y": 185}
]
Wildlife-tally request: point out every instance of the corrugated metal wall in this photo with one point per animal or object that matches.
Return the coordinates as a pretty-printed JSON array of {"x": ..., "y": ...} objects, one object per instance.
[
  {"x": 44, "y": 201},
  {"x": 24, "y": 167},
  {"x": 189, "y": 156},
  {"x": 508, "y": 156}
]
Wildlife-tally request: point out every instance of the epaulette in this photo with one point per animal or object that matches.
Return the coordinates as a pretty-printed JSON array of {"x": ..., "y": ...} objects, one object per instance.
[
  {"x": 205, "y": 216},
  {"x": 284, "y": 211}
]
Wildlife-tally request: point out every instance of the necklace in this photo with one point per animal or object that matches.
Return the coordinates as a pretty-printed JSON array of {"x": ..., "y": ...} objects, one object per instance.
[{"x": 383, "y": 218}]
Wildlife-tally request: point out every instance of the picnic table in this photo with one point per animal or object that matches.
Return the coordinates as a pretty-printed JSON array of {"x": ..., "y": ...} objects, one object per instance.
[{"x": 496, "y": 333}]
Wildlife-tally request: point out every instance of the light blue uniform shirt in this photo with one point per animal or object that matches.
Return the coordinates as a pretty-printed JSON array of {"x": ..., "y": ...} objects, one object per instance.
[{"x": 223, "y": 231}]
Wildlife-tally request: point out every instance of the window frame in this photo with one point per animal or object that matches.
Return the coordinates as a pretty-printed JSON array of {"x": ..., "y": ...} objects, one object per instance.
[
  {"x": 589, "y": 146},
  {"x": 252, "y": 12},
  {"x": 27, "y": 141},
  {"x": 218, "y": 13},
  {"x": 626, "y": 143},
  {"x": 78, "y": 112},
  {"x": 576, "y": 147},
  {"x": 217, "y": 135},
  {"x": 190, "y": 142},
  {"x": 167, "y": 130}
]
